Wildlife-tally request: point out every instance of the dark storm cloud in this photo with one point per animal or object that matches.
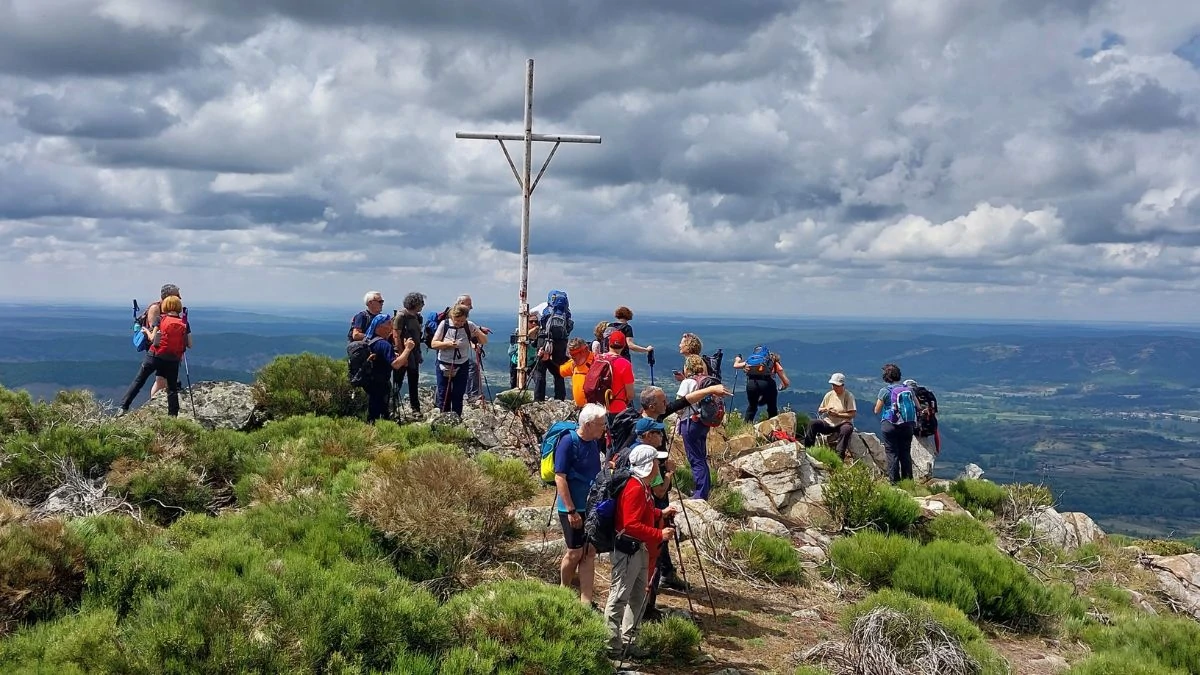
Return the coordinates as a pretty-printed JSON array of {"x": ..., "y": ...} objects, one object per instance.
[{"x": 76, "y": 115}]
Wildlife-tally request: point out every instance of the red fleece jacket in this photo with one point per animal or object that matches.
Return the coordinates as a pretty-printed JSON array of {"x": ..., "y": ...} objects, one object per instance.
[{"x": 636, "y": 514}]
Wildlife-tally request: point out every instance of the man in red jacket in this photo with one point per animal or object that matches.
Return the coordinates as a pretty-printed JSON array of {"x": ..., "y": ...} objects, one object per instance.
[{"x": 637, "y": 530}]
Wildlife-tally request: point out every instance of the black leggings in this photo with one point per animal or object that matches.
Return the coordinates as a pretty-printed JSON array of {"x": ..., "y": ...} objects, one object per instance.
[
  {"x": 413, "y": 371},
  {"x": 165, "y": 368},
  {"x": 761, "y": 391}
]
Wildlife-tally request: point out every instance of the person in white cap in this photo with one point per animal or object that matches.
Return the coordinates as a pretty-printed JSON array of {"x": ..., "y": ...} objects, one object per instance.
[
  {"x": 637, "y": 527},
  {"x": 837, "y": 413}
]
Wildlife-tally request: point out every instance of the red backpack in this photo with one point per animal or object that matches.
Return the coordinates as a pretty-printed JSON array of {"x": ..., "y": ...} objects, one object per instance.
[
  {"x": 172, "y": 337},
  {"x": 598, "y": 383}
]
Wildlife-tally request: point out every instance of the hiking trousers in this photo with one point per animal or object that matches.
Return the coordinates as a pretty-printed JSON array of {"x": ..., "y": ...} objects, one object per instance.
[
  {"x": 450, "y": 390},
  {"x": 378, "y": 394},
  {"x": 550, "y": 367},
  {"x": 844, "y": 432},
  {"x": 761, "y": 391},
  {"x": 626, "y": 595},
  {"x": 165, "y": 368},
  {"x": 413, "y": 372},
  {"x": 695, "y": 446},
  {"x": 474, "y": 380},
  {"x": 897, "y": 443}
]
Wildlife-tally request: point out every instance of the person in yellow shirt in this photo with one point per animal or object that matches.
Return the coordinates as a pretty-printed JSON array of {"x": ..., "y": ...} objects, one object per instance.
[
  {"x": 837, "y": 416},
  {"x": 576, "y": 369}
]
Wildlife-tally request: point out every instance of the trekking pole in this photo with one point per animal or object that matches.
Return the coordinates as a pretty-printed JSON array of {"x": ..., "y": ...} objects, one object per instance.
[
  {"x": 191, "y": 394},
  {"x": 687, "y": 590},
  {"x": 699, "y": 558}
]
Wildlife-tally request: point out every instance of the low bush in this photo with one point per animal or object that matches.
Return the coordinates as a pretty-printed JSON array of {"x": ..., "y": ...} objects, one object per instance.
[
  {"x": 727, "y": 501},
  {"x": 88, "y": 642},
  {"x": 439, "y": 509},
  {"x": 682, "y": 478},
  {"x": 981, "y": 497},
  {"x": 19, "y": 412},
  {"x": 163, "y": 490},
  {"x": 949, "y": 617},
  {"x": 871, "y": 556},
  {"x": 1170, "y": 641},
  {"x": 913, "y": 488},
  {"x": 1165, "y": 547},
  {"x": 735, "y": 424},
  {"x": 35, "y": 462},
  {"x": 957, "y": 527},
  {"x": 979, "y": 580},
  {"x": 855, "y": 500},
  {"x": 674, "y": 639},
  {"x": 811, "y": 670},
  {"x": 301, "y": 384},
  {"x": 524, "y": 627},
  {"x": 1022, "y": 499},
  {"x": 513, "y": 400},
  {"x": 768, "y": 556},
  {"x": 826, "y": 456},
  {"x": 1128, "y": 662},
  {"x": 41, "y": 571}
]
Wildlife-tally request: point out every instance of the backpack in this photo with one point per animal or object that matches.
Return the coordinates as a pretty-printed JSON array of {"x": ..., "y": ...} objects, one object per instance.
[
  {"x": 903, "y": 408},
  {"x": 172, "y": 337},
  {"x": 613, "y": 327},
  {"x": 761, "y": 363},
  {"x": 140, "y": 342},
  {"x": 432, "y": 321},
  {"x": 598, "y": 383},
  {"x": 927, "y": 409},
  {"x": 710, "y": 410},
  {"x": 621, "y": 430},
  {"x": 600, "y": 526},
  {"x": 713, "y": 363},
  {"x": 361, "y": 361},
  {"x": 550, "y": 442},
  {"x": 556, "y": 322}
]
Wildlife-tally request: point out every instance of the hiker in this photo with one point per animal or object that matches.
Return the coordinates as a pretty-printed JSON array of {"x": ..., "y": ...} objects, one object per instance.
[
  {"x": 637, "y": 524},
  {"x": 692, "y": 430},
  {"x": 689, "y": 345},
  {"x": 837, "y": 413},
  {"x": 761, "y": 369},
  {"x": 662, "y": 572},
  {"x": 454, "y": 340},
  {"x": 383, "y": 351},
  {"x": 598, "y": 332},
  {"x": 531, "y": 351},
  {"x": 555, "y": 324},
  {"x": 581, "y": 359},
  {"x": 360, "y": 322},
  {"x": 655, "y": 407},
  {"x": 623, "y": 316},
  {"x": 474, "y": 359},
  {"x": 169, "y": 338},
  {"x": 408, "y": 325},
  {"x": 896, "y": 423},
  {"x": 149, "y": 320},
  {"x": 622, "y": 373},
  {"x": 576, "y": 463}
]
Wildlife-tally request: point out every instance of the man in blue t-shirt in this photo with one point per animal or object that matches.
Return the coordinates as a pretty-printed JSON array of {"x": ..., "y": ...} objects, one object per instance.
[
  {"x": 360, "y": 323},
  {"x": 576, "y": 463}
]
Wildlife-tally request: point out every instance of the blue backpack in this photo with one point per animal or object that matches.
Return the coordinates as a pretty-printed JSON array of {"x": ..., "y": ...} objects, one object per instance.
[
  {"x": 556, "y": 322},
  {"x": 432, "y": 321},
  {"x": 761, "y": 363},
  {"x": 550, "y": 442},
  {"x": 140, "y": 341},
  {"x": 903, "y": 408}
]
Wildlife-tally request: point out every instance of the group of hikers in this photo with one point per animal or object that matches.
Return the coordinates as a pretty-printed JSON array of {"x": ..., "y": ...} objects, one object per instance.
[{"x": 611, "y": 468}]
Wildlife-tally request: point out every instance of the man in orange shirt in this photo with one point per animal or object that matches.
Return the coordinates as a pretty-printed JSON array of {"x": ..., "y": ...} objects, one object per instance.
[{"x": 576, "y": 369}]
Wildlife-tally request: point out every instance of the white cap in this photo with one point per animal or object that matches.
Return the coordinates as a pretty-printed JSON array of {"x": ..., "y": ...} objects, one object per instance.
[
  {"x": 641, "y": 460},
  {"x": 837, "y": 378},
  {"x": 909, "y": 383}
]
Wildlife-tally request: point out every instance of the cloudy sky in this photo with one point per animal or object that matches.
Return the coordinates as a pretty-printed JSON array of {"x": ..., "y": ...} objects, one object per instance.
[{"x": 1015, "y": 158}]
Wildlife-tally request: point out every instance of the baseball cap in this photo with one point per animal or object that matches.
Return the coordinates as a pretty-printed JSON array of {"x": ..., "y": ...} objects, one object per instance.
[
  {"x": 646, "y": 424},
  {"x": 837, "y": 378},
  {"x": 641, "y": 460},
  {"x": 909, "y": 383},
  {"x": 617, "y": 339}
]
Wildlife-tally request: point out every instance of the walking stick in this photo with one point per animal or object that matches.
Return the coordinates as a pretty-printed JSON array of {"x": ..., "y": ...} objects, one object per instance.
[
  {"x": 191, "y": 394},
  {"x": 699, "y": 557},
  {"x": 687, "y": 585}
]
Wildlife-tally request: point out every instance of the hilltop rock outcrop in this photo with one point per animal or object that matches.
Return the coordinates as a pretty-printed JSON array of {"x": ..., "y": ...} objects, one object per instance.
[
  {"x": 1178, "y": 577},
  {"x": 218, "y": 405},
  {"x": 1068, "y": 530}
]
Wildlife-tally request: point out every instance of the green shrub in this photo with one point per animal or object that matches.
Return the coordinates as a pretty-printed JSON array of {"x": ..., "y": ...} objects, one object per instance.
[
  {"x": 41, "y": 571},
  {"x": 34, "y": 465},
  {"x": 82, "y": 643},
  {"x": 18, "y": 412},
  {"x": 510, "y": 472},
  {"x": 301, "y": 384},
  {"x": 871, "y": 556},
  {"x": 727, "y": 501},
  {"x": 826, "y": 456},
  {"x": 811, "y": 670},
  {"x": 980, "y": 497},
  {"x": 1129, "y": 662},
  {"x": 957, "y": 527},
  {"x": 674, "y": 639},
  {"x": 438, "y": 508},
  {"x": 163, "y": 490},
  {"x": 850, "y": 494},
  {"x": 948, "y": 617},
  {"x": 1171, "y": 641},
  {"x": 979, "y": 580},
  {"x": 768, "y": 556},
  {"x": 121, "y": 569},
  {"x": 683, "y": 479},
  {"x": 735, "y": 424},
  {"x": 525, "y": 627},
  {"x": 513, "y": 400},
  {"x": 894, "y": 510},
  {"x": 913, "y": 488}
]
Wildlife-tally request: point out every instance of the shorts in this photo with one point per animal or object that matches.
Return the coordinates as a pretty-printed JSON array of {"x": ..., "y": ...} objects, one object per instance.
[{"x": 574, "y": 538}]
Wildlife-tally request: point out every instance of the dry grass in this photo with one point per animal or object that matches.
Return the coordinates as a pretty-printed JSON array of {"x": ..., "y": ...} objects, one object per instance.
[{"x": 887, "y": 642}]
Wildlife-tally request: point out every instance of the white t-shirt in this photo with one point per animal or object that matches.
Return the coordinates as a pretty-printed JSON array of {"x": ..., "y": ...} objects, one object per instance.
[
  {"x": 461, "y": 351},
  {"x": 686, "y": 387}
]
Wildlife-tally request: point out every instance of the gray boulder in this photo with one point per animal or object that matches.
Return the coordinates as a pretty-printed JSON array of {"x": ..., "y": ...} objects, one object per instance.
[{"x": 218, "y": 405}]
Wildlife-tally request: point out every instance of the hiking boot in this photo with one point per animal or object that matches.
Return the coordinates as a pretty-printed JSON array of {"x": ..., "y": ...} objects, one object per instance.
[
  {"x": 122, "y": 412},
  {"x": 651, "y": 614},
  {"x": 632, "y": 653},
  {"x": 675, "y": 583}
]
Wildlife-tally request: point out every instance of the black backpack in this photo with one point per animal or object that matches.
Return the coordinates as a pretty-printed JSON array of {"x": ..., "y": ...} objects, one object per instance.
[
  {"x": 713, "y": 363},
  {"x": 360, "y": 361},
  {"x": 600, "y": 526},
  {"x": 621, "y": 430},
  {"x": 927, "y": 409},
  {"x": 613, "y": 327}
]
